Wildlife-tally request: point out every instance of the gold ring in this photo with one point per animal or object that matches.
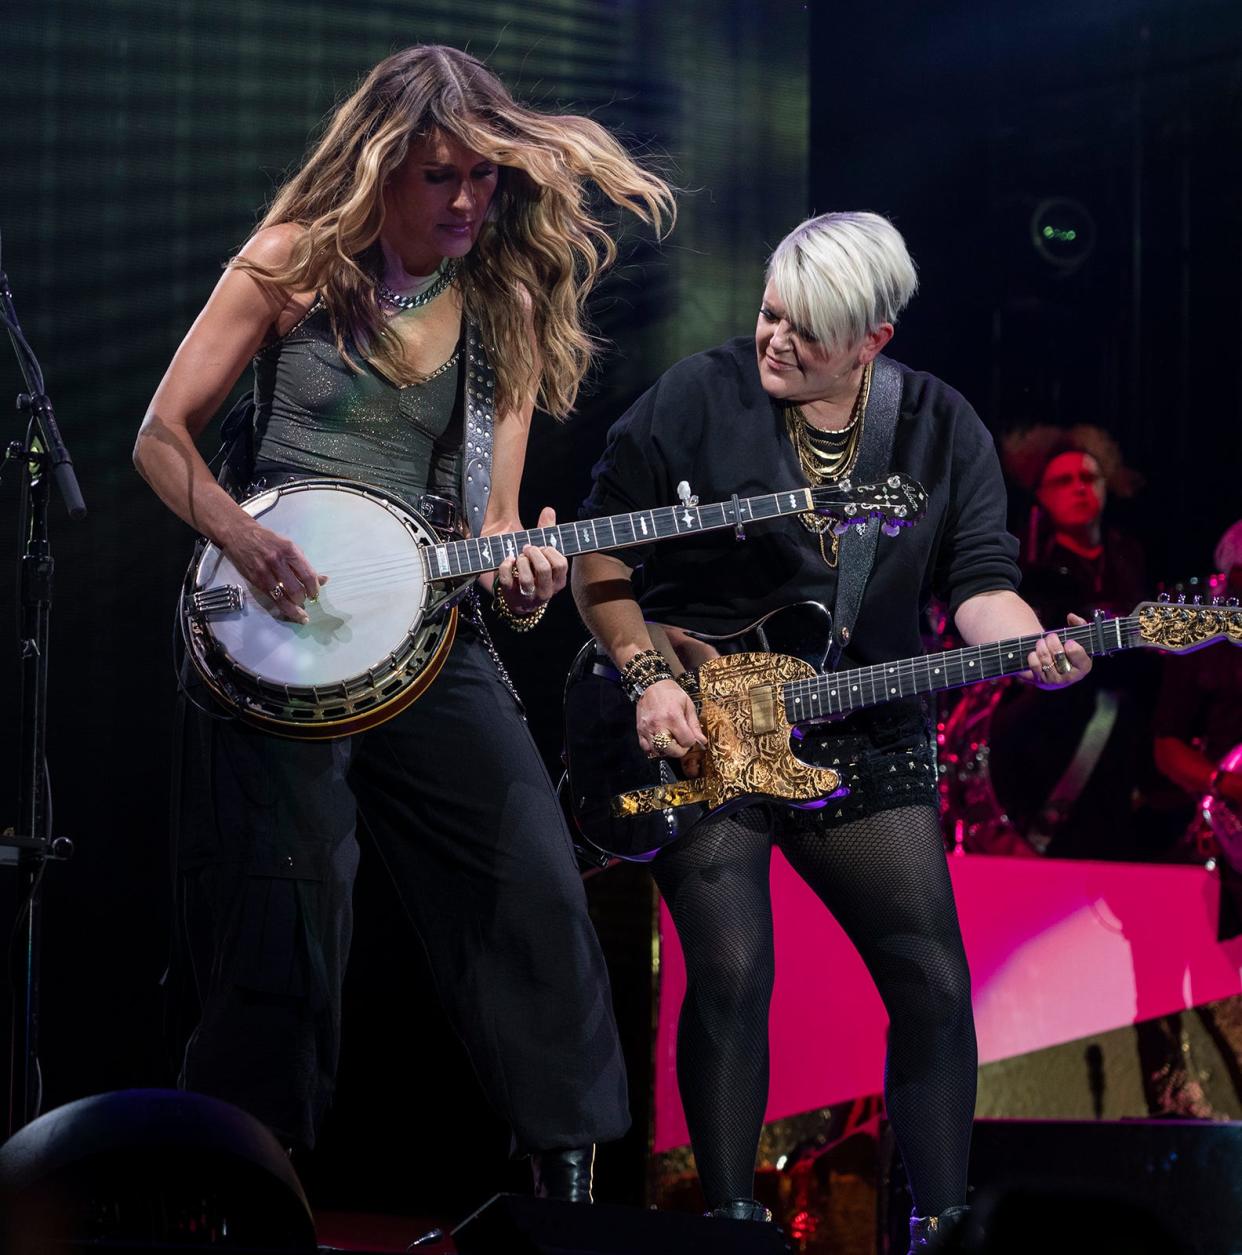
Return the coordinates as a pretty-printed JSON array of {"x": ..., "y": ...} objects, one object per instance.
[
  {"x": 1062, "y": 663},
  {"x": 662, "y": 740},
  {"x": 278, "y": 591}
]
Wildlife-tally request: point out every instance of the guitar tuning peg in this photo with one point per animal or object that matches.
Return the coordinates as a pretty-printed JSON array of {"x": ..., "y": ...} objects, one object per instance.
[
  {"x": 1181, "y": 599},
  {"x": 890, "y": 529},
  {"x": 1197, "y": 600}
]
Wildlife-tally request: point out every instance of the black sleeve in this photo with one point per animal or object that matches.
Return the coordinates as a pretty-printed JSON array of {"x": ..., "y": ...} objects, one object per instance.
[
  {"x": 656, "y": 432},
  {"x": 975, "y": 554}
]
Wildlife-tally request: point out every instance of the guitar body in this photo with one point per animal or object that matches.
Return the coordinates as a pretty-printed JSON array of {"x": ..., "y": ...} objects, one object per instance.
[{"x": 749, "y": 757}]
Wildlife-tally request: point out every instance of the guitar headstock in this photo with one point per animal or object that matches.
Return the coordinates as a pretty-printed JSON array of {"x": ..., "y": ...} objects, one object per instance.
[
  {"x": 1180, "y": 626},
  {"x": 897, "y": 501}
]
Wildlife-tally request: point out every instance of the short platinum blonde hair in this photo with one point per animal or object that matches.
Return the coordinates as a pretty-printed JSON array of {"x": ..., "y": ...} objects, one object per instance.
[{"x": 841, "y": 275}]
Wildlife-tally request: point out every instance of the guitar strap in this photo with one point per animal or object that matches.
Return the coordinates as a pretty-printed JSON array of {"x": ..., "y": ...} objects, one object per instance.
[
  {"x": 856, "y": 555},
  {"x": 476, "y": 462}
]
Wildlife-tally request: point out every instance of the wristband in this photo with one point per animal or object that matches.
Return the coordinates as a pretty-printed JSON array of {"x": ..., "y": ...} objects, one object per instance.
[{"x": 646, "y": 668}]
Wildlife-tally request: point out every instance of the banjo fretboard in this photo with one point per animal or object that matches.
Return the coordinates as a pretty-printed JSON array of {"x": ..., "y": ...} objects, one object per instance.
[{"x": 898, "y": 502}]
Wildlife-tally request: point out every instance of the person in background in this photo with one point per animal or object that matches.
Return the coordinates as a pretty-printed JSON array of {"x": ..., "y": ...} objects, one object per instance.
[{"x": 1071, "y": 774}]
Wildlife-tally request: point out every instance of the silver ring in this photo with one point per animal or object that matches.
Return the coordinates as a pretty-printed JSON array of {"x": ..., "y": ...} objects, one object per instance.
[
  {"x": 278, "y": 591},
  {"x": 526, "y": 592},
  {"x": 1062, "y": 663},
  {"x": 1045, "y": 667}
]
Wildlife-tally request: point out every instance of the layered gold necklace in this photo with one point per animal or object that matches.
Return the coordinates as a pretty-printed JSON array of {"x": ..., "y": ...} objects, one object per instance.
[{"x": 827, "y": 456}]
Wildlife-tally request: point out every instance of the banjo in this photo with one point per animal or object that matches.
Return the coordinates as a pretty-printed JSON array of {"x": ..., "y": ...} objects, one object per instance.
[{"x": 381, "y": 628}]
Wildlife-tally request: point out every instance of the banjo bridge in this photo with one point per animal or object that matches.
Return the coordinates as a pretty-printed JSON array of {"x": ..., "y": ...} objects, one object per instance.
[{"x": 221, "y": 600}]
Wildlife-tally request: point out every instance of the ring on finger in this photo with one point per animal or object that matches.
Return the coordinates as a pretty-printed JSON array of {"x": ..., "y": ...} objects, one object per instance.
[
  {"x": 277, "y": 591},
  {"x": 1062, "y": 663},
  {"x": 662, "y": 740},
  {"x": 526, "y": 592}
]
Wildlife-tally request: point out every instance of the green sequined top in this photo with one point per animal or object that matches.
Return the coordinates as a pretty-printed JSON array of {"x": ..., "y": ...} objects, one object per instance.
[{"x": 315, "y": 415}]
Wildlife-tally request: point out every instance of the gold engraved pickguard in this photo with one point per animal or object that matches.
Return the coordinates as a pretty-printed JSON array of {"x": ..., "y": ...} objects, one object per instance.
[{"x": 740, "y": 691}]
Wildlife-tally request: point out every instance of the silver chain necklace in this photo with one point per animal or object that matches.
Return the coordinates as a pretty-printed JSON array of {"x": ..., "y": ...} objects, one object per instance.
[{"x": 448, "y": 272}]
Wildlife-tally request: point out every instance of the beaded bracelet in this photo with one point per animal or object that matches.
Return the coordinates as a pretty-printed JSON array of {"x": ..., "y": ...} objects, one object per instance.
[
  {"x": 514, "y": 622},
  {"x": 646, "y": 668}
]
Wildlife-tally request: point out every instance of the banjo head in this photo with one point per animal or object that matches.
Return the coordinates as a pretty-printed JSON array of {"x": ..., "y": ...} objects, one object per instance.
[{"x": 365, "y": 642}]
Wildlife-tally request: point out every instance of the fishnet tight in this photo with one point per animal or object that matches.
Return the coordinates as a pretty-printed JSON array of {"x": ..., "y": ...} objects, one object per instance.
[{"x": 885, "y": 880}]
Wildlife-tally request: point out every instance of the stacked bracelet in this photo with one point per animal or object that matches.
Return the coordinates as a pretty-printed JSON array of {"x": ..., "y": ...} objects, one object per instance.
[
  {"x": 646, "y": 668},
  {"x": 515, "y": 622}
]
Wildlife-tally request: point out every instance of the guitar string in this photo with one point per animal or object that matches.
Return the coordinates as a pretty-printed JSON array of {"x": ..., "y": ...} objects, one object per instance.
[
  {"x": 808, "y": 686},
  {"x": 880, "y": 673},
  {"x": 395, "y": 562}
]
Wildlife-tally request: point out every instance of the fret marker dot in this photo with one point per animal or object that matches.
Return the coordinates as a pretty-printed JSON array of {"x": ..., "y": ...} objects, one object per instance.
[{"x": 972, "y": 663}]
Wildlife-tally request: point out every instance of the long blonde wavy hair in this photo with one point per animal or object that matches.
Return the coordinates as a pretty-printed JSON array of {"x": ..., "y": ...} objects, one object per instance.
[{"x": 538, "y": 254}]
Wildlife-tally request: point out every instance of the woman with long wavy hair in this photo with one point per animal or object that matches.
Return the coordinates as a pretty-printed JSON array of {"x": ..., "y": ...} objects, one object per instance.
[{"x": 412, "y": 292}]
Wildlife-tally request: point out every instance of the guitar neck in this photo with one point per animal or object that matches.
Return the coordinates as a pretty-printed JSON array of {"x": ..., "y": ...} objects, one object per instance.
[
  {"x": 459, "y": 558},
  {"x": 842, "y": 692}
]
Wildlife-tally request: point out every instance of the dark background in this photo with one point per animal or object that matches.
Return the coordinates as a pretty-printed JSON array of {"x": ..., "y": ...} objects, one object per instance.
[{"x": 141, "y": 139}]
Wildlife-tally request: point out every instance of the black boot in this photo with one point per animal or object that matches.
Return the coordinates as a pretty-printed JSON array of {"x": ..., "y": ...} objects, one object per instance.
[
  {"x": 934, "y": 1233},
  {"x": 564, "y": 1174},
  {"x": 740, "y": 1209}
]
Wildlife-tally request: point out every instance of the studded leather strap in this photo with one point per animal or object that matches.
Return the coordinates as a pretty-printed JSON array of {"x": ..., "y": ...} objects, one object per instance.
[{"x": 480, "y": 395}]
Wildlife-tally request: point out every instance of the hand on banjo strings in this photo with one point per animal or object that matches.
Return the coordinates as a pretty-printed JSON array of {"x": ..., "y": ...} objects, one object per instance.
[
  {"x": 276, "y": 570},
  {"x": 667, "y": 724},
  {"x": 536, "y": 575},
  {"x": 1053, "y": 664}
]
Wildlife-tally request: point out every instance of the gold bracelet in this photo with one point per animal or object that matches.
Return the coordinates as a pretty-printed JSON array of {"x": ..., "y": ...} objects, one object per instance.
[{"x": 514, "y": 622}]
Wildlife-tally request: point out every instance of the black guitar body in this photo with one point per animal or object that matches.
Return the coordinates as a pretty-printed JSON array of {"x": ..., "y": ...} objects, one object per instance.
[{"x": 602, "y": 754}]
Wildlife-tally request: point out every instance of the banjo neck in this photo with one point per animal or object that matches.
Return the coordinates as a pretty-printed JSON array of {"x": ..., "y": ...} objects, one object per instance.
[{"x": 897, "y": 501}]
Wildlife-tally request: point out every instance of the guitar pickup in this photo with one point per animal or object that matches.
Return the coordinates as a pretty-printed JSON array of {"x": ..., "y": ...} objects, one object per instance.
[
  {"x": 763, "y": 708},
  {"x": 221, "y": 600}
]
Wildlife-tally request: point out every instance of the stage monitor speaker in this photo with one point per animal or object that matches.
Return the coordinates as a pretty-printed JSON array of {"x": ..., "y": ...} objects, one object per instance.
[
  {"x": 1186, "y": 1175},
  {"x": 147, "y": 1169},
  {"x": 511, "y": 1224}
]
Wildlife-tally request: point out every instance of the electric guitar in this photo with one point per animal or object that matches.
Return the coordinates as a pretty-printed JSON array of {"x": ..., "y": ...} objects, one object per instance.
[{"x": 761, "y": 685}]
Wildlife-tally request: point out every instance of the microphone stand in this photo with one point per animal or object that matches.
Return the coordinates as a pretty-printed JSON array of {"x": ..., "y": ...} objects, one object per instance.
[{"x": 30, "y": 845}]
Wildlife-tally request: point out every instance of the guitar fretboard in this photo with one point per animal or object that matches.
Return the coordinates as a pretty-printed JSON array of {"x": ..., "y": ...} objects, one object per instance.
[
  {"x": 477, "y": 554},
  {"x": 842, "y": 692}
]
